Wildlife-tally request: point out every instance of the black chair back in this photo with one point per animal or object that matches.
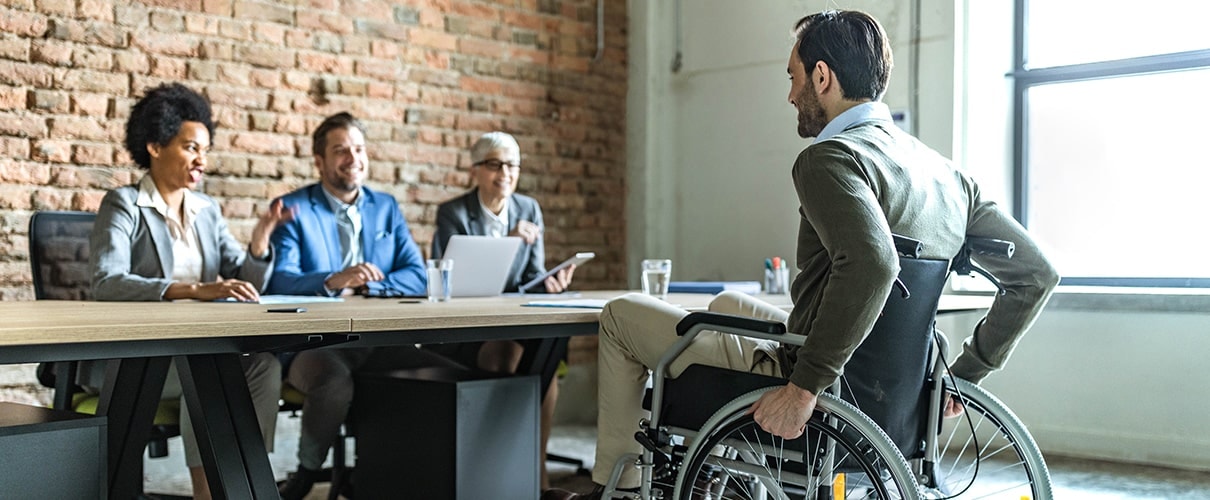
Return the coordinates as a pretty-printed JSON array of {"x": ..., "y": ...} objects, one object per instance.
[
  {"x": 58, "y": 255},
  {"x": 886, "y": 376}
]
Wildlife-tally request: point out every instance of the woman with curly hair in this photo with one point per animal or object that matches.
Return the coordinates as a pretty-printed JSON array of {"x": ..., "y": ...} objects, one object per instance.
[{"x": 159, "y": 239}]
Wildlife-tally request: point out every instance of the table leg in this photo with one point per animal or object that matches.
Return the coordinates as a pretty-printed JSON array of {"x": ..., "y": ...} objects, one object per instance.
[
  {"x": 229, "y": 438},
  {"x": 129, "y": 399}
]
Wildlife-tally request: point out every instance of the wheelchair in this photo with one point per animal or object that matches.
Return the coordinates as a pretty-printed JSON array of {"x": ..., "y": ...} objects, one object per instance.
[{"x": 878, "y": 433}]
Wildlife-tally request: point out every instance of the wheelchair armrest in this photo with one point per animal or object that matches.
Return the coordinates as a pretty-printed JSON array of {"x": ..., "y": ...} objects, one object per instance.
[{"x": 730, "y": 322}]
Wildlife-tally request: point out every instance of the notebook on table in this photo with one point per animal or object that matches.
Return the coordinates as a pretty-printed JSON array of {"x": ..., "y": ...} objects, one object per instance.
[{"x": 481, "y": 264}]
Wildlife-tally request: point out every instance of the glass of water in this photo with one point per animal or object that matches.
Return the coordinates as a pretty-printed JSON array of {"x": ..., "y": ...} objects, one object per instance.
[
  {"x": 439, "y": 271},
  {"x": 657, "y": 273}
]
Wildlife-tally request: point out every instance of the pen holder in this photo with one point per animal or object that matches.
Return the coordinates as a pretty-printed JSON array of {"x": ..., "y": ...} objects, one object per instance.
[{"x": 777, "y": 281}]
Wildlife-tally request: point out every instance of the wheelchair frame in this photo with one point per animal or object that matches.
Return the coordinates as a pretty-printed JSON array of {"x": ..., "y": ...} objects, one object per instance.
[{"x": 922, "y": 477}]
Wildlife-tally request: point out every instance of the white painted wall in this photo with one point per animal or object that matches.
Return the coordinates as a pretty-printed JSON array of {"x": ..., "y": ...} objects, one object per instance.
[{"x": 711, "y": 148}]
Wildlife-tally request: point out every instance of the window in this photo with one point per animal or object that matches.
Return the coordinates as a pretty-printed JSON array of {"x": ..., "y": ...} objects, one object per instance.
[{"x": 1111, "y": 138}]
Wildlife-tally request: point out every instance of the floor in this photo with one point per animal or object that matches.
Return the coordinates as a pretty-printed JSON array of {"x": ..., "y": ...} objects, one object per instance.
[{"x": 1074, "y": 479}]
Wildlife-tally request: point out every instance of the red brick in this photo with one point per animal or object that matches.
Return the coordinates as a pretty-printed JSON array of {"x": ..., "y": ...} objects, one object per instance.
[
  {"x": 483, "y": 48},
  {"x": 49, "y": 101},
  {"x": 65, "y": 8},
  {"x": 217, "y": 6},
  {"x": 25, "y": 24},
  {"x": 324, "y": 21},
  {"x": 51, "y": 52},
  {"x": 88, "y": 32},
  {"x": 192, "y": 5},
  {"x": 264, "y": 11},
  {"x": 238, "y": 97},
  {"x": 92, "y": 154},
  {"x": 92, "y": 58},
  {"x": 251, "y": 188},
  {"x": 273, "y": 34},
  {"x": 100, "y": 10},
  {"x": 52, "y": 151},
  {"x": 211, "y": 49},
  {"x": 290, "y": 124},
  {"x": 431, "y": 38},
  {"x": 88, "y": 201},
  {"x": 324, "y": 63},
  {"x": 235, "y": 29},
  {"x": 476, "y": 10},
  {"x": 14, "y": 48},
  {"x": 381, "y": 69},
  {"x": 131, "y": 62},
  {"x": 34, "y": 75},
  {"x": 238, "y": 208},
  {"x": 70, "y": 176},
  {"x": 90, "y": 104},
  {"x": 262, "y": 143},
  {"x": 33, "y": 127},
  {"x": 232, "y": 74},
  {"x": 15, "y": 197},
  {"x": 367, "y": 9},
  {"x": 167, "y": 67},
  {"x": 296, "y": 80},
  {"x": 12, "y": 98},
  {"x": 12, "y": 147},
  {"x": 267, "y": 57},
  {"x": 266, "y": 79},
  {"x": 71, "y": 127},
  {"x": 199, "y": 25},
  {"x": 172, "y": 44},
  {"x": 380, "y": 90}
]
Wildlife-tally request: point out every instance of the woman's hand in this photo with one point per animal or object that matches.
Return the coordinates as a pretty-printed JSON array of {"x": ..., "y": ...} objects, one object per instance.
[
  {"x": 558, "y": 282},
  {"x": 268, "y": 221},
  {"x": 242, "y": 291}
]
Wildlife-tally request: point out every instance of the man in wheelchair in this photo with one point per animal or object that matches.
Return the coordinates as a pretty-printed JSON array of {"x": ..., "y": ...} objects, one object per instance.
[{"x": 861, "y": 180}]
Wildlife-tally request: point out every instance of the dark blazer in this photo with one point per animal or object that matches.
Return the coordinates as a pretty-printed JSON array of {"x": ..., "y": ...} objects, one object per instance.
[
  {"x": 131, "y": 249},
  {"x": 464, "y": 215},
  {"x": 308, "y": 247}
]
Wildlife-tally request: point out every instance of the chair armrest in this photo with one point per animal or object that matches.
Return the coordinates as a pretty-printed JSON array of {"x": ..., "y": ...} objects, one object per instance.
[{"x": 729, "y": 322}]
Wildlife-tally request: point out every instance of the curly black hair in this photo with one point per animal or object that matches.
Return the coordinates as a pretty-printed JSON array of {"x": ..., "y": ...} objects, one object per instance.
[{"x": 158, "y": 116}]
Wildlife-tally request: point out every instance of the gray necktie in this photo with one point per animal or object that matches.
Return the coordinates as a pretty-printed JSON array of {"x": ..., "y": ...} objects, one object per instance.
[{"x": 348, "y": 235}]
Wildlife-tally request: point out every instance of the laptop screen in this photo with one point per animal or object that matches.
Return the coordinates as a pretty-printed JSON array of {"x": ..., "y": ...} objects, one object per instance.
[{"x": 481, "y": 264}]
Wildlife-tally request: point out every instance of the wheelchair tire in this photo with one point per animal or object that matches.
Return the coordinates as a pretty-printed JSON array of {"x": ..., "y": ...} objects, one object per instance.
[
  {"x": 1009, "y": 463},
  {"x": 731, "y": 458}
]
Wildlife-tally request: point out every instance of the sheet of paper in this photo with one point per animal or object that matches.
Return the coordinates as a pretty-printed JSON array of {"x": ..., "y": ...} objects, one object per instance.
[{"x": 580, "y": 303}]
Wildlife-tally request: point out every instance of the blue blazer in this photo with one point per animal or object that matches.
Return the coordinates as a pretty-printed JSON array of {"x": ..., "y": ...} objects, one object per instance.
[
  {"x": 307, "y": 249},
  {"x": 464, "y": 215}
]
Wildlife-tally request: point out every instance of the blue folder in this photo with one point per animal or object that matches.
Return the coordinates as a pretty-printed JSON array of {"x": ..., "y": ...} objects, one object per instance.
[{"x": 748, "y": 287}]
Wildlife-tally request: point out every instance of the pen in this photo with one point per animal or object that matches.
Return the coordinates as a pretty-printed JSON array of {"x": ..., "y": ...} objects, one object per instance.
[
  {"x": 769, "y": 264},
  {"x": 289, "y": 310},
  {"x": 776, "y": 263}
]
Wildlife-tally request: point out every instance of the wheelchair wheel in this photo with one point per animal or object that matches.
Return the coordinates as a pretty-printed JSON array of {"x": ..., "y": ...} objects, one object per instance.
[
  {"x": 842, "y": 455},
  {"x": 998, "y": 460}
]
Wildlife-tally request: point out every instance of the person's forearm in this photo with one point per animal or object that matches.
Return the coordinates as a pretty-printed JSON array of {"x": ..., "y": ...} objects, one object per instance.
[{"x": 178, "y": 290}]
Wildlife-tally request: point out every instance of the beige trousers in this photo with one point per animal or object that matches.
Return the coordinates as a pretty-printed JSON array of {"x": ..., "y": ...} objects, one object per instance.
[{"x": 635, "y": 331}]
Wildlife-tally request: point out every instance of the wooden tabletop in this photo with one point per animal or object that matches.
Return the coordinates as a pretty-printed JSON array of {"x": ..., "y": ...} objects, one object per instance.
[{"x": 61, "y": 322}]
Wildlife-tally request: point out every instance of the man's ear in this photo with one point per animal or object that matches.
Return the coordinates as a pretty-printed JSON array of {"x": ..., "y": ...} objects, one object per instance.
[
  {"x": 319, "y": 161},
  {"x": 822, "y": 77}
]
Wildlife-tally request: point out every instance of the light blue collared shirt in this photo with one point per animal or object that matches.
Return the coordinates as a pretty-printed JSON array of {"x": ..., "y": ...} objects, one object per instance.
[
  {"x": 348, "y": 223},
  {"x": 864, "y": 112}
]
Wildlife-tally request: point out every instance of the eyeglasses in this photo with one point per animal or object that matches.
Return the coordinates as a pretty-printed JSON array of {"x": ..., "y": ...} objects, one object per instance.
[{"x": 496, "y": 165}]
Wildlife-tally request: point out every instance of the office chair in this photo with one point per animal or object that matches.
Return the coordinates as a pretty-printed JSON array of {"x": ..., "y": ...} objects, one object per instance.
[{"x": 58, "y": 257}]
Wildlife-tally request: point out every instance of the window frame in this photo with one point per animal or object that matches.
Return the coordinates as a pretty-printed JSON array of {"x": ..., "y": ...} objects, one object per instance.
[{"x": 1024, "y": 79}]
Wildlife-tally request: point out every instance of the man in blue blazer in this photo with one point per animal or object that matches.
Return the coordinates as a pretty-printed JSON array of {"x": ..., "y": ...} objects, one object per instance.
[{"x": 344, "y": 239}]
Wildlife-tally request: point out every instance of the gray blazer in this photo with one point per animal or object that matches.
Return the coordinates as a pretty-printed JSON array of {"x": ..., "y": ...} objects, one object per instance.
[
  {"x": 131, "y": 250},
  {"x": 463, "y": 215}
]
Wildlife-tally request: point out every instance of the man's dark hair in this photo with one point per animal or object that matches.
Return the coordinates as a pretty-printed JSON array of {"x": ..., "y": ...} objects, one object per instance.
[
  {"x": 319, "y": 139},
  {"x": 158, "y": 116},
  {"x": 852, "y": 44}
]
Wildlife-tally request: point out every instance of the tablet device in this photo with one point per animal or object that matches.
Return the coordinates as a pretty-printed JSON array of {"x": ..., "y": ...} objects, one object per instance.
[{"x": 580, "y": 258}]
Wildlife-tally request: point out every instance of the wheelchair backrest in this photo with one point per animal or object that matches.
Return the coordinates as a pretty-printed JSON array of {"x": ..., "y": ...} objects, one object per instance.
[{"x": 886, "y": 376}]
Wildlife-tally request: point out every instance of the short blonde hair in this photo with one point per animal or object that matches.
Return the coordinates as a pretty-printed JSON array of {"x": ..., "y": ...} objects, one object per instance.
[{"x": 492, "y": 141}]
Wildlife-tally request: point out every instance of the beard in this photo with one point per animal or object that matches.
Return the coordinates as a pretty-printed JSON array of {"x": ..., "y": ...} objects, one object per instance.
[{"x": 811, "y": 117}]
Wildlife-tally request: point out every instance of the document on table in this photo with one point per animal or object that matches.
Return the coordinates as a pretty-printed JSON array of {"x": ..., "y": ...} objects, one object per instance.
[
  {"x": 289, "y": 299},
  {"x": 578, "y": 303}
]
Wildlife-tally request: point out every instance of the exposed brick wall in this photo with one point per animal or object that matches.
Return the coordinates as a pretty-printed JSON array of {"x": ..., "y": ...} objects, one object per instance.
[{"x": 427, "y": 77}]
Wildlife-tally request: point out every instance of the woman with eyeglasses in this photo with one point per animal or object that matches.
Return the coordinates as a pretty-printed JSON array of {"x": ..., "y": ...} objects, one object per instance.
[{"x": 493, "y": 208}]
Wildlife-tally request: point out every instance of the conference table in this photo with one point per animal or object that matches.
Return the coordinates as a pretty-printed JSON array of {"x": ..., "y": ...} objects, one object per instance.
[{"x": 206, "y": 339}]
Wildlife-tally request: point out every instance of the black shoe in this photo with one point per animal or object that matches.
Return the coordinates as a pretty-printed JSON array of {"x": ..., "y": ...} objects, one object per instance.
[{"x": 299, "y": 483}]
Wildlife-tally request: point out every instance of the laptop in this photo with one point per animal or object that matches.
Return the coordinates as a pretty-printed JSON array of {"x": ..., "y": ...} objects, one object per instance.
[{"x": 481, "y": 264}]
